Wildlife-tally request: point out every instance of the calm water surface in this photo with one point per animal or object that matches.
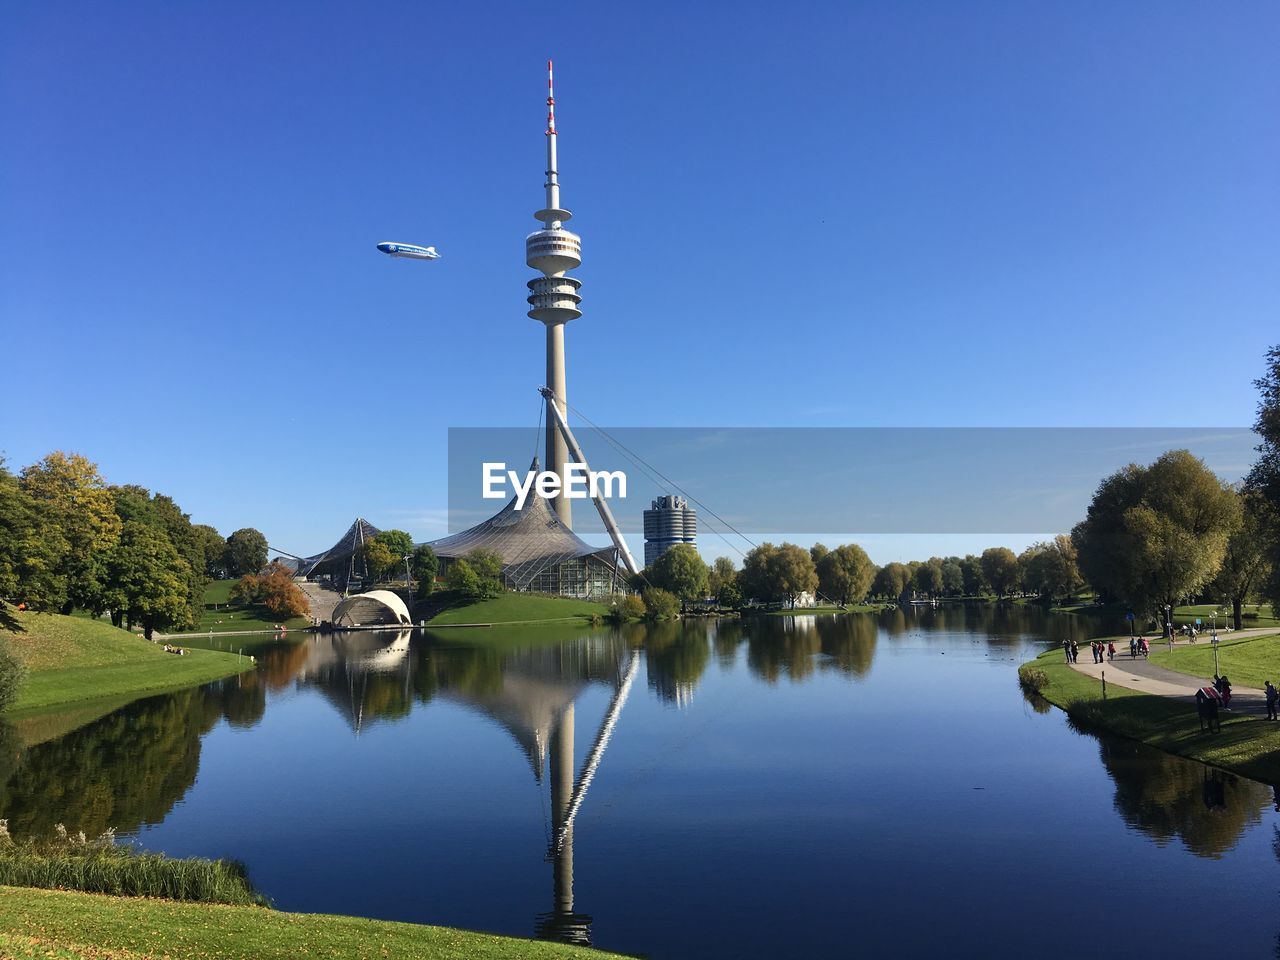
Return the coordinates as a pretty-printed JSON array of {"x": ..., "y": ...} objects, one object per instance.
[{"x": 780, "y": 787}]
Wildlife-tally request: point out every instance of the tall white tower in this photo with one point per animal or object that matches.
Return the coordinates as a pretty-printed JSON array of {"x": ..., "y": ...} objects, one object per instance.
[{"x": 553, "y": 297}]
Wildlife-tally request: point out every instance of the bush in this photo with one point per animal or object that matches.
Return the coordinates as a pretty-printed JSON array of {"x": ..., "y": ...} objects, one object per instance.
[
  {"x": 12, "y": 674},
  {"x": 70, "y": 862},
  {"x": 660, "y": 605},
  {"x": 1032, "y": 679},
  {"x": 630, "y": 607}
]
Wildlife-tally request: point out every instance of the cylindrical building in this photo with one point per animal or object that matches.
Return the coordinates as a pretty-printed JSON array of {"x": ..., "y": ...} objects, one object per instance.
[{"x": 669, "y": 521}]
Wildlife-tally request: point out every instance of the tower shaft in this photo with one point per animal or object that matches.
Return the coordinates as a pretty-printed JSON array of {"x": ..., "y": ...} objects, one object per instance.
[{"x": 553, "y": 297}]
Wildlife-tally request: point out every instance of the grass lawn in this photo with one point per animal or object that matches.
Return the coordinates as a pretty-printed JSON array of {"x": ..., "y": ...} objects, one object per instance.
[
  {"x": 1249, "y": 746},
  {"x": 518, "y": 608},
  {"x": 1249, "y": 662},
  {"x": 70, "y": 660},
  {"x": 57, "y": 924},
  {"x": 1253, "y": 615},
  {"x": 228, "y": 616}
]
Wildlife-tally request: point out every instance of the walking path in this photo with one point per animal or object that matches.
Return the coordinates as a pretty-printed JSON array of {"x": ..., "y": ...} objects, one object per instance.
[{"x": 1140, "y": 674}]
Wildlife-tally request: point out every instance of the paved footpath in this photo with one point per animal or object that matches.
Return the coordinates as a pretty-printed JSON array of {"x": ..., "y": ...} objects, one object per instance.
[{"x": 1143, "y": 675}]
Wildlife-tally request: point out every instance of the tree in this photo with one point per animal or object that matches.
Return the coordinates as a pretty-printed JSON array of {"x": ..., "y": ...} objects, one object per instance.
[
  {"x": 1049, "y": 568},
  {"x": 817, "y": 552},
  {"x": 975, "y": 581},
  {"x": 774, "y": 574},
  {"x": 214, "y": 549},
  {"x": 845, "y": 574},
  {"x": 463, "y": 579},
  {"x": 379, "y": 559},
  {"x": 488, "y": 567},
  {"x": 927, "y": 578},
  {"x": 723, "y": 572},
  {"x": 12, "y": 675},
  {"x": 630, "y": 607},
  {"x": 146, "y": 580},
  {"x": 680, "y": 571},
  {"x": 31, "y": 548},
  {"x": 952, "y": 577},
  {"x": 1264, "y": 477},
  {"x": 1155, "y": 534},
  {"x": 891, "y": 581},
  {"x": 660, "y": 604},
  {"x": 246, "y": 552},
  {"x": 1246, "y": 565},
  {"x": 139, "y": 505},
  {"x": 424, "y": 565},
  {"x": 82, "y": 507},
  {"x": 1000, "y": 568},
  {"x": 274, "y": 590}
]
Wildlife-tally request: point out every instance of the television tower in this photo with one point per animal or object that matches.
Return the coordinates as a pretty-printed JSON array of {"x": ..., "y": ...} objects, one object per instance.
[{"x": 553, "y": 297}]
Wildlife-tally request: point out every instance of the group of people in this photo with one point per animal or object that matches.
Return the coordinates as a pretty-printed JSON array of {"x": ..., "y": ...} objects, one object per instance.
[
  {"x": 1223, "y": 686},
  {"x": 177, "y": 650},
  {"x": 1106, "y": 650}
]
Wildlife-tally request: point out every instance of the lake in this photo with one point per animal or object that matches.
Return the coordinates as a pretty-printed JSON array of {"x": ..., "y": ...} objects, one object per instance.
[{"x": 782, "y": 786}]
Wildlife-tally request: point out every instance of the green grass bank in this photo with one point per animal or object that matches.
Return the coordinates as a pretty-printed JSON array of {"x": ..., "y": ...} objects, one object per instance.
[
  {"x": 48, "y": 923},
  {"x": 220, "y": 615},
  {"x": 71, "y": 659},
  {"x": 1249, "y": 662},
  {"x": 1249, "y": 746},
  {"x": 518, "y": 608}
]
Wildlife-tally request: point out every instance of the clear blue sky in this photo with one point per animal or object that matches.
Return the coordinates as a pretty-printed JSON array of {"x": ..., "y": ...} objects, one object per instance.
[{"x": 927, "y": 214}]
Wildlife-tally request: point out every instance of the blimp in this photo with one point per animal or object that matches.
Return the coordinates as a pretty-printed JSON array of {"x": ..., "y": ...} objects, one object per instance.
[{"x": 410, "y": 250}]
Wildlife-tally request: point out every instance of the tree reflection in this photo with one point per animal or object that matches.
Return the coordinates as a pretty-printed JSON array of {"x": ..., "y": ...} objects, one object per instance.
[
  {"x": 1167, "y": 797},
  {"x": 676, "y": 655}
]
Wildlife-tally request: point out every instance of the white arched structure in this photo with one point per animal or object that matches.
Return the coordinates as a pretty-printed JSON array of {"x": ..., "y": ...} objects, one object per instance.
[{"x": 375, "y": 608}]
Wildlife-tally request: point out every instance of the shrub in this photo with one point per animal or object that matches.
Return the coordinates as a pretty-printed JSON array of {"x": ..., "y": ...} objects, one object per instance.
[
  {"x": 630, "y": 607},
  {"x": 70, "y": 862},
  {"x": 1032, "y": 678},
  {"x": 660, "y": 605}
]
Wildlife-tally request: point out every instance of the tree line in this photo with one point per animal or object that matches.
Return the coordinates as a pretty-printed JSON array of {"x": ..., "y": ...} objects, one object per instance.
[{"x": 71, "y": 541}]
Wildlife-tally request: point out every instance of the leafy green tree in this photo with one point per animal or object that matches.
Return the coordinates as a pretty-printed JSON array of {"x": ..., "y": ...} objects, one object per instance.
[
  {"x": 31, "y": 548},
  {"x": 138, "y": 505},
  {"x": 952, "y": 577},
  {"x": 817, "y": 552},
  {"x": 680, "y": 571},
  {"x": 660, "y": 604},
  {"x": 488, "y": 567},
  {"x": 379, "y": 559},
  {"x": 214, "y": 550},
  {"x": 729, "y": 597},
  {"x": 778, "y": 573},
  {"x": 975, "y": 581},
  {"x": 1246, "y": 565},
  {"x": 246, "y": 552},
  {"x": 463, "y": 579},
  {"x": 147, "y": 580},
  {"x": 927, "y": 579},
  {"x": 845, "y": 574},
  {"x": 891, "y": 581},
  {"x": 425, "y": 565},
  {"x": 1049, "y": 568},
  {"x": 723, "y": 571},
  {"x": 1000, "y": 569},
  {"x": 1264, "y": 477},
  {"x": 1155, "y": 534},
  {"x": 630, "y": 607},
  {"x": 82, "y": 507}
]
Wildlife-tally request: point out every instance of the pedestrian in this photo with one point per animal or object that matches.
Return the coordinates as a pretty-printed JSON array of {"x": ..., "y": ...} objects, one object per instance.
[
  {"x": 1097, "y": 653},
  {"x": 1075, "y": 652},
  {"x": 1111, "y": 650},
  {"x": 1066, "y": 649},
  {"x": 1272, "y": 696},
  {"x": 1226, "y": 691}
]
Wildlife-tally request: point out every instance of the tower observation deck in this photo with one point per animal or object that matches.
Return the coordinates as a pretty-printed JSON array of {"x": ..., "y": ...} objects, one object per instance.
[{"x": 553, "y": 297}]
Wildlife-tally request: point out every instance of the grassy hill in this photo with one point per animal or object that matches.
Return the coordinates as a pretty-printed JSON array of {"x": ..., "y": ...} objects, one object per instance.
[
  {"x": 71, "y": 660},
  {"x": 57, "y": 924},
  {"x": 220, "y": 615},
  {"x": 518, "y": 608}
]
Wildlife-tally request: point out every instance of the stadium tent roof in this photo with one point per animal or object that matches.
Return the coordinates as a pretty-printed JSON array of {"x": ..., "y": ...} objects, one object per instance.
[
  {"x": 341, "y": 552},
  {"x": 374, "y": 607},
  {"x": 529, "y": 540}
]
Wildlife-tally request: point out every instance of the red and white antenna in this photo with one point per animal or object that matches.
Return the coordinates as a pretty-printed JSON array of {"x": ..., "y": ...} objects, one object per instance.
[{"x": 551, "y": 103}]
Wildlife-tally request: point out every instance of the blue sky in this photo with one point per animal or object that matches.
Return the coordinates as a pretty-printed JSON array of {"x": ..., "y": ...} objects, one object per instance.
[{"x": 845, "y": 214}]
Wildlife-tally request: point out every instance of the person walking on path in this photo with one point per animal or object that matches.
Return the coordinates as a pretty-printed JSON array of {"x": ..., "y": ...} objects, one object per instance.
[
  {"x": 1075, "y": 652},
  {"x": 1111, "y": 650},
  {"x": 1066, "y": 649},
  {"x": 1097, "y": 651},
  {"x": 1272, "y": 696}
]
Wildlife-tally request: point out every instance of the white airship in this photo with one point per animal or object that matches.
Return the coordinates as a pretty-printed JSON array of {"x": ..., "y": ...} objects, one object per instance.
[{"x": 410, "y": 250}]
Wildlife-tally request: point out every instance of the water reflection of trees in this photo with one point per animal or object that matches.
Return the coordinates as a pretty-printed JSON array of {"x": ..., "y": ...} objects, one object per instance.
[{"x": 1167, "y": 797}]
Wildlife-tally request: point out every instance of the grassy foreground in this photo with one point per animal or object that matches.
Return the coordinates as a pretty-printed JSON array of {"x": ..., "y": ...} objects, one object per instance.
[
  {"x": 1249, "y": 662},
  {"x": 518, "y": 608},
  {"x": 71, "y": 659},
  {"x": 48, "y": 923},
  {"x": 1246, "y": 745}
]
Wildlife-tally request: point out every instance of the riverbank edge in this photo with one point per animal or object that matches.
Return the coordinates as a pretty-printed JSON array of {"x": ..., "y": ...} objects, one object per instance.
[
  {"x": 1247, "y": 746},
  {"x": 143, "y": 927}
]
